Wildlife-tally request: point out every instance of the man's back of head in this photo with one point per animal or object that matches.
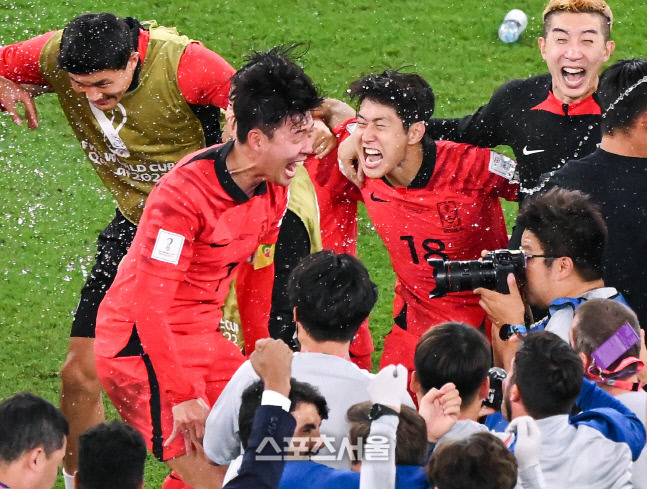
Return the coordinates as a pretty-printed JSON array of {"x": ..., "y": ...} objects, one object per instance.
[
  {"x": 548, "y": 375},
  {"x": 452, "y": 352},
  {"x": 332, "y": 294},
  {"x": 111, "y": 455},
  {"x": 595, "y": 322},
  {"x": 623, "y": 95},
  {"x": 32, "y": 439},
  {"x": 567, "y": 224},
  {"x": 95, "y": 42}
]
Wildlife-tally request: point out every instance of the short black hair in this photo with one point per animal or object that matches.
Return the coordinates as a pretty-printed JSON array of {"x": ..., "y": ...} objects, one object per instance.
[
  {"x": 251, "y": 398},
  {"x": 408, "y": 94},
  {"x": 111, "y": 455},
  {"x": 548, "y": 374},
  {"x": 95, "y": 42},
  {"x": 453, "y": 352},
  {"x": 568, "y": 223},
  {"x": 332, "y": 294},
  {"x": 480, "y": 461},
  {"x": 410, "y": 438},
  {"x": 623, "y": 94},
  {"x": 28, "y": 421},
  {"x": 268, "y": 89}
]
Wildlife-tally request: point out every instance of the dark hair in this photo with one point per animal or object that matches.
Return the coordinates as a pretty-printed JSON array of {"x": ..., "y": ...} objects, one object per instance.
[
  {"x": 410, "y": 438},
  {"x": 250, "y": 400},
  {"x": 622, "y": 98},
  {"x": 480, "y": 461},
  {"x": 111, "y": 455},
  {"x": 332, "y": 294},
  {"x": 95, "y": 42},
  {"x": 408, "y": 94},
  {"x": 28, "y": 421},
  {"x": 568, "y": 223},
  {"x": 548, "y": 374},
  {"x": 453, "y": 352},
  {"x": 597, "y": 7},
  {"x": 597, "y": 320},
  {"x": 268, "y": 89}
]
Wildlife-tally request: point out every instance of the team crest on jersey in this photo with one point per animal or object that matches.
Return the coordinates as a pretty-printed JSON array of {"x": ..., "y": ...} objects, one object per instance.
[{"x": 449, "y": 218}]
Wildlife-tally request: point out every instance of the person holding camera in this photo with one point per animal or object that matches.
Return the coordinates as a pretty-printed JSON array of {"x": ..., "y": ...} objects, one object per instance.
[{"x": 563, "y": 243}]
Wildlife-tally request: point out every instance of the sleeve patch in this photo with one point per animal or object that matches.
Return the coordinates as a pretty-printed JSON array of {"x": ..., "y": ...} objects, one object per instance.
[
  {"x": 263, "y": 256},
  {"x": 168, "y": 247},
  {"x": 502, "y": 165}
]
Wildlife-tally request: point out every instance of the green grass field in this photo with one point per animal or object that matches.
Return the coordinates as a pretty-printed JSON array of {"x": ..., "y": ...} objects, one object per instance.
[{"x": 53, "y": 205}]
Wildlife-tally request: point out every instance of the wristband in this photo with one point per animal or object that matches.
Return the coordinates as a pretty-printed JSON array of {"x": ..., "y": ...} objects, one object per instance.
[
  {"x": 379, "y": 410},
  {"x": 507, "y": 330}
]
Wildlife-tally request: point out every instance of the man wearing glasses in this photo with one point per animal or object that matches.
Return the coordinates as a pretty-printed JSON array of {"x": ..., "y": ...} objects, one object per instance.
[{"x": 563, "y": 241}]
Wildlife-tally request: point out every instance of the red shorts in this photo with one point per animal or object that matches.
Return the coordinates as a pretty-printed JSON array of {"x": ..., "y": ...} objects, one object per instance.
[{"x": 132, "y": 386}]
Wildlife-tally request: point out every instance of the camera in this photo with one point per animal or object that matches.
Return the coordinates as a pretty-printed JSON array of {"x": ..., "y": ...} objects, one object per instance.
[
  {"x": 491, "y": 272},
  {"x": 495, "y": 395}
]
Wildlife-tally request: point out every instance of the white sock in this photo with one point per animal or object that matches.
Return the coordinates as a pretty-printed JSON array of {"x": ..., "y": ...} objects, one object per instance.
[{"x": 68, "y": 479}]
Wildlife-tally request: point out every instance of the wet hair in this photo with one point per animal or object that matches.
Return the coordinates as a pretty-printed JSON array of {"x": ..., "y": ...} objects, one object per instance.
[
  {"x": 622, "y": 93},
  {"x": 548, "y": 374},
  {"x": 95, "y": 42},
  {"x": 453, "y": 352},
  {"x": 251, "y": 399},
  {"x": 599, "y": 7},
  {"x": 408, "y": 94},
  {"x": 410, "y": 438},
  {"x": 27, "y": 422},
  {"x": 597, "y": 320},
  {"x": 269, "y": 89},
  {"x": 111, "y": 455},
  {"x": 480, "y": 461},
  {"x": 332, "y": 294},
  {"x": 567, "y": 223}
]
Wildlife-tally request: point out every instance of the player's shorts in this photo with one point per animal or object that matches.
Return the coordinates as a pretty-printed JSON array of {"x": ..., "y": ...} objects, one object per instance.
[
  {"x": 131, "y": 382},
  {"x": 112, "y": 245}
]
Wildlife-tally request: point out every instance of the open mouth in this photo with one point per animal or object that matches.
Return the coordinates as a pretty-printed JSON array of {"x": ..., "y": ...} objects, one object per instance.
[
  {"x": 372, "y": 157},
  {"x": 291, "y": 169},
  {"x": 573, "y": 76}
]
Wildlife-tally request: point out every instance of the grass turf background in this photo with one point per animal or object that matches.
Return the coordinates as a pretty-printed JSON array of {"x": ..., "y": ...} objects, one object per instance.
[{"x": 53, "y": 205}]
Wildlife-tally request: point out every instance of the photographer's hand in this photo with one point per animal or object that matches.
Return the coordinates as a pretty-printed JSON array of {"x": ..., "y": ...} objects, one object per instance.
[{"x": 503, "y": 308}]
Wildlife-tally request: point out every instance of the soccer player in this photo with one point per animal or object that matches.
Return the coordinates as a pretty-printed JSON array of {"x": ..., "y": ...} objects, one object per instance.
[
  {"x": 139, "y": 98},
  {"x": 160, "y": 355},
  {"x": 551, "y": 118},
  {"x": 427, "y": 200}
]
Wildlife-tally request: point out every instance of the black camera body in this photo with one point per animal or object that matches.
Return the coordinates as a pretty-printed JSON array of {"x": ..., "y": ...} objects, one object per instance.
[{"x": 491, "y": 272}]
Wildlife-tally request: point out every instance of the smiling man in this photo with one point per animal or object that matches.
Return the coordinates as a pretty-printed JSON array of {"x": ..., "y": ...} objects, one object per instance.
[
  {"x": 139, "y": 98},
  {"x": 551, "y": 118},
  {"x": 160, "y": 354},
  {"x": 427, "y": 200}
]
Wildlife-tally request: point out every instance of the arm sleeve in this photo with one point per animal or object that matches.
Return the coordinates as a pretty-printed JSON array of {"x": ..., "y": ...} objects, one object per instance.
[
  {"x": 482, "y": 128},
  {"x": 270, "y": 423},
  {"x": 204, "y": 77},
  {"x": 603, "y": 412},
  {"x": 20, "y": 62},
  {"x": 380, "y": 473}
]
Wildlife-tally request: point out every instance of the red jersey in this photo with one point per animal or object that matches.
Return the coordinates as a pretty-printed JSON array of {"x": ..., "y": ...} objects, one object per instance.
[
  {"x": 198, "y": 225},
  {"x": 337, "y": 199},
  {"x": 451, "y": 211}
]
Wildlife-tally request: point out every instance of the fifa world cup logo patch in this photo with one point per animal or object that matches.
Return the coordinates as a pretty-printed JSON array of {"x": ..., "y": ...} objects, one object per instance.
[{"x": 449, "y": 218}]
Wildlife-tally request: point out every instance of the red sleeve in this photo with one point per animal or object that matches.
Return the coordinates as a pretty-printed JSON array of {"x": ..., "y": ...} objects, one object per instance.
[
  {"x": 150, "y": 309},
  {"x": 20, "y": 62},
  {"x": 254, "y": 297},
  {"x": 204, "y": 77}
]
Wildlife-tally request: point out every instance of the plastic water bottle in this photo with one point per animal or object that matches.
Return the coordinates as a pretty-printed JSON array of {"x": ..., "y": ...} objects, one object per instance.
[{"x": 513, "y": 25}]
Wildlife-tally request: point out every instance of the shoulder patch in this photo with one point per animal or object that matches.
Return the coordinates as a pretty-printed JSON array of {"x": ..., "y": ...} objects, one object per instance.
[
  {"x": 502, "y": 165},
  {"x": 168, "y": 247}
]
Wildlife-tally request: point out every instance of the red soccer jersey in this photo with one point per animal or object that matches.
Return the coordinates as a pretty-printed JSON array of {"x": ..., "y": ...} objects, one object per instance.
[
  {"x": 337, "y": 199},
  {"x": 451, "y": 211},
  {"x": 198, "y": 225}
]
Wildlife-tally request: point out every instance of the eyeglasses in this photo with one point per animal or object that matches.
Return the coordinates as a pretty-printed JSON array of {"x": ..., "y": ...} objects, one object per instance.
[{"x": 527, "y": 256}]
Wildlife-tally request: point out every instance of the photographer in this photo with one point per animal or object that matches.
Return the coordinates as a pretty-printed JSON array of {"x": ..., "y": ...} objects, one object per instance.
[{"x": 563, "y": 243}]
